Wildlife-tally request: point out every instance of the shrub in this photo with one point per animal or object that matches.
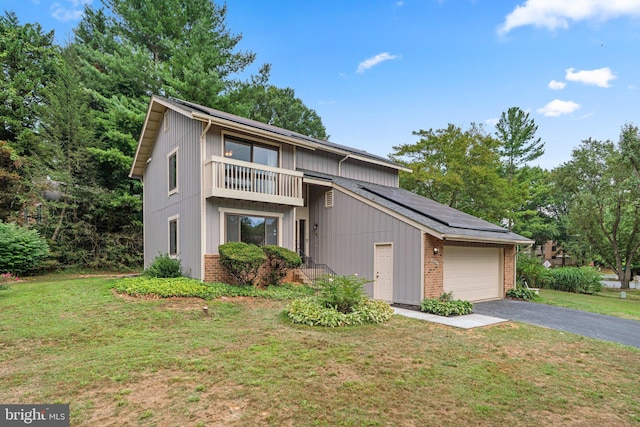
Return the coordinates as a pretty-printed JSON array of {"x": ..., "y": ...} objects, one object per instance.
[
  {"x": 241, "y": 261},
  {"x": 523, "y": 294},
  {"x": 341, "y": 293},
  {"x": 280, "y": 260},
  {"x": 21, "y": 249},
  {"x": 586, "y": 280},
  {"x": 186, "y": 287},
  {"x": 164, "y": 266},
  {"x": 312, "y": 311},
  {"x": 445, "y": 305},
  {"x": 530, "y": 268}
]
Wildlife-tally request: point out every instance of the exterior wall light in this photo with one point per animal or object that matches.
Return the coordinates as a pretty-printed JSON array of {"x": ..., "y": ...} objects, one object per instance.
[{"x": 436, "y": 251}]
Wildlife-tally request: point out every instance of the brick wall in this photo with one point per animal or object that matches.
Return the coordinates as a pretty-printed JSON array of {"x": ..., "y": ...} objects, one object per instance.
[
  {"x": 434, "y": 265},
  {"x": 213, "y": 271},
  {"x": 509, "y": 267}
]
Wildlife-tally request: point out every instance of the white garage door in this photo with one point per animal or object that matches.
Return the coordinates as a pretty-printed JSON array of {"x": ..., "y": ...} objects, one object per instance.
[{"x": 473, "y": 274}]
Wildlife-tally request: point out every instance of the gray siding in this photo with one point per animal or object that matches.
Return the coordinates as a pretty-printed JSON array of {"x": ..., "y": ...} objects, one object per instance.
[
  {"x": 183, "y": 134},
  {"x": 323, "y": 162},
  {"x": 346, "y": 236},
  {"x": 213, "y": 220}
]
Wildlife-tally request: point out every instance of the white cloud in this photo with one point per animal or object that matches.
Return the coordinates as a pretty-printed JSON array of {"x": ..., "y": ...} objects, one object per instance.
[
  {"x": 399, "y": 3},
  {"x": 633, "y": 87},
  {"x": 557, "y": 108},
  {"x": 492, "y": 121},
  {"x": 600, "y": 77},
  {"x": 556, "y": 85},
  {"x": 372, "y": 62},
  {"x": 71, "y": 12},
  {"x": 554, "y": 14}
]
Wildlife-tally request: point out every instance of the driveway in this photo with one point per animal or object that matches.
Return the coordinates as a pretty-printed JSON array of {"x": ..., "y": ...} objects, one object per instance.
[{"x": 608, "y": 328}]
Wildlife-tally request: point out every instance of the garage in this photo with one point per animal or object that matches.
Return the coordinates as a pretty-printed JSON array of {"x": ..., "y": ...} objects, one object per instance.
[{"x": 473, "y": 273}]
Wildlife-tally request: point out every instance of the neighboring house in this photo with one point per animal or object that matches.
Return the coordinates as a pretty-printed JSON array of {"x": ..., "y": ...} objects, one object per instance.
[
  {"x": 211, "y": 177},
  {"x": 555, "y": 254}
]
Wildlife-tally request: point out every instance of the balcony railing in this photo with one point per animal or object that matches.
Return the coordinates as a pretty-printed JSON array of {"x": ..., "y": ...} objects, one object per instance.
[{"x": 237, "y": 179}]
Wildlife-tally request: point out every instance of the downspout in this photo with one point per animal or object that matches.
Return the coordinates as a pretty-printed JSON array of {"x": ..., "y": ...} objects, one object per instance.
[
  {"x": 340, "y": 164},
  {"x": 203, "y": 201}
]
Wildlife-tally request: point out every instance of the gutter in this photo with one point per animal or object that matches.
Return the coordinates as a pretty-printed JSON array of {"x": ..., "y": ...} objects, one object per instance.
[{"x": 461, "y": 238}]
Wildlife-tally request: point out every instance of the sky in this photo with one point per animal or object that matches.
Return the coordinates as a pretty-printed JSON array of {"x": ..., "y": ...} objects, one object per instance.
[{"x": 377, "y": 70}]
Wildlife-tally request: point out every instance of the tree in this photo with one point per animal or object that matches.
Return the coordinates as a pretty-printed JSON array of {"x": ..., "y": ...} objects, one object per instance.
[
  {"x": 516, "y": 132},
  {"x": 534, "y": 218},
  {"x": 458, "y": 168},
  {"x": 280, "y": 107},
  {"x": 28, "y": 61},
  {"x": 604, "y": 207},
  {"x": 10, "y": 181}
]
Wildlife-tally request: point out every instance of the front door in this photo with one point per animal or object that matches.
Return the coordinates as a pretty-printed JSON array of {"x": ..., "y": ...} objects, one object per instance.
[
  {"x": 383, "y": 274},
  {"x": 302, "y": 230}
]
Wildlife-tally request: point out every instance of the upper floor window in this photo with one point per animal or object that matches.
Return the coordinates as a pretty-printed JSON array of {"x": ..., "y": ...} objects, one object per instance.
[
  {"x": 251, "y": 152},
  {"x": 172, "y": 163}
]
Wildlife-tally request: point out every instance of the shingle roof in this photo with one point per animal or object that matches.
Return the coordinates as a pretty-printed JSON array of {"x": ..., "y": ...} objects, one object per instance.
[
  {"x": 274, "y": 129},
  {"x": 450, "y": 223},
  {"x": 158, "y": 105}
]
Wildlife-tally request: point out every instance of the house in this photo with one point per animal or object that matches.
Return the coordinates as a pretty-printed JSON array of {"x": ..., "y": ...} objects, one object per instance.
[
  {"x": 211, "y": 177},
  {"x": 554, "y": 254}
]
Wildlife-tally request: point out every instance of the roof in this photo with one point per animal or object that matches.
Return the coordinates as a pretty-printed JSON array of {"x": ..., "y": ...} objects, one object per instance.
[
  {"x": 435, "y": 218},
  {"x": 158, "y": 105}
]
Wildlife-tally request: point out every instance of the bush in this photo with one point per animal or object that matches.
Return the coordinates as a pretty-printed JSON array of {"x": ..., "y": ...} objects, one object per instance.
[
  {"x": 241, "y": 261},
  {"x": 21, "y": 249},
  {"x": 341, "y": 293},
  {"x": 164, "y": 266},
  {"x": 313, "y": 312},
  {"x": 530, "y": 268},
  {"x": 186, "y": 287},
  {"x": 523, "y": 294},
  {"x": 280, "y": 260},
  {"x": 585, "y": 280},
  {"x": 446, "y": 306}
]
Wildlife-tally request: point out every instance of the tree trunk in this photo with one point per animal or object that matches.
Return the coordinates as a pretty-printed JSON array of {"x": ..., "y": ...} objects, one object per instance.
[{"x": 625, "y": 279}]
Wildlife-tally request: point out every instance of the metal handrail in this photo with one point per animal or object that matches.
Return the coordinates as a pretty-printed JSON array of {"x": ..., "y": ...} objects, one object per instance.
[{"x": 313, "y": 270}]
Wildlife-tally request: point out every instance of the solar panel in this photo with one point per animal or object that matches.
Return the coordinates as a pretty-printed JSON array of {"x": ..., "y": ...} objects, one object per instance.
[{"x": 438, "y": 212}]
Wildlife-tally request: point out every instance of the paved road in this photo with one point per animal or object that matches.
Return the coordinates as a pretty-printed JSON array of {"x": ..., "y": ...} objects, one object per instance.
[{"x": 608, "y": 328}]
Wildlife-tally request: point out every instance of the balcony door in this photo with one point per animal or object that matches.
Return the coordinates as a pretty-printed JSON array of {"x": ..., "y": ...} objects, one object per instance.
[{"x": 251, "y": 178}]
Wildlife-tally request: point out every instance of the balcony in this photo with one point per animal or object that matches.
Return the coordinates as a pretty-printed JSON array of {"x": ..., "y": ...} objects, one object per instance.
[{"x": 236, "y": 179}]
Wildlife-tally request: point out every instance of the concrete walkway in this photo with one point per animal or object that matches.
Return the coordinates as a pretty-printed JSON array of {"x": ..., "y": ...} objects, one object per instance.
[
  {"x": 593, "y": 325},
  {"x": 467, "y": 321}
]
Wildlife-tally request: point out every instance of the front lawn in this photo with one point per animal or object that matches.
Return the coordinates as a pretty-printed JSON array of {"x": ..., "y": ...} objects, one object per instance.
[
  {"x": 120, "y": 360},
  {"x": 606, "y": 302}
]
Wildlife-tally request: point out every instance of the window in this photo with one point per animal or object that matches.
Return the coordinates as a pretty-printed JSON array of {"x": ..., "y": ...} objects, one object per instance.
[
  {"x": 328, "y": 199},
  {"x": 172, "y": 163},
  {"x": 173, "y": 236},
  {"x": 251, "y": 152},
  {"x": 256, "y": 229}
]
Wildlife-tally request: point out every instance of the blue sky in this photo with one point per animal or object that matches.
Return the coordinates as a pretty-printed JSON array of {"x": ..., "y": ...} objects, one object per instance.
[{"x": 377, "y": 70}]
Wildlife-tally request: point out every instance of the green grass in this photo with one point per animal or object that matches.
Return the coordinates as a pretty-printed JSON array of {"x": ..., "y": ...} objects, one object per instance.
[
  {"x": 606, "y": 302},
  {"x": 126, "y": 361}
]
